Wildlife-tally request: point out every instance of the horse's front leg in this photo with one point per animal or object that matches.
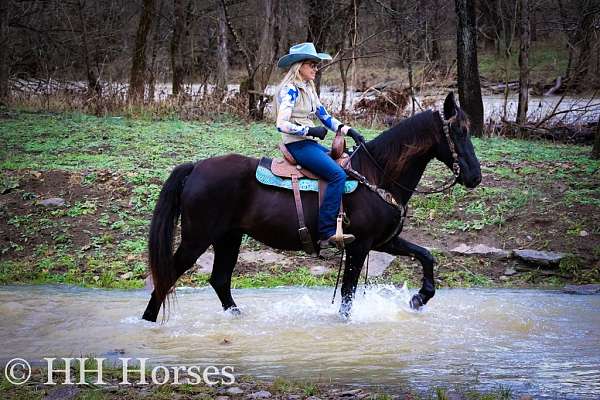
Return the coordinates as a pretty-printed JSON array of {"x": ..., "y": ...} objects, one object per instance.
[
  {"x": 355, "y": 258},
  {"x": 401, "y": 247}
]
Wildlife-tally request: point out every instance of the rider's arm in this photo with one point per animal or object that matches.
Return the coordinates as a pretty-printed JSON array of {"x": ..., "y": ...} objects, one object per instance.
[
  {"x": 287, "y": 98},
  {"x": 327, "y": 119}
]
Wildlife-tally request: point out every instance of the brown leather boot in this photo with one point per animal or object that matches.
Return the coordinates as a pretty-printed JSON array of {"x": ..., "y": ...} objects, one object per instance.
[{"x": 336, "y": 241}]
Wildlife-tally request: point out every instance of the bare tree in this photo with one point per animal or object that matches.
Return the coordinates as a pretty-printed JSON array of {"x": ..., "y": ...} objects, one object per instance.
[
  {"x": 137, "y": 78},
  {"x": 524, "y": 62},
  {"x": 154, "y": 53},
  {"x": 268, "y": 48},
  {"x": 222, "y": 53},
  {"x": 469, "y": 89},
  {"x": 179, "y": 27},
  {"x": 596, "y": 148},
  {"x": 578, "y": 19},
  {"x": 4, "y": 49},
  {"x": 259, "y": 63},
  {"x": 319, "y": 24}
]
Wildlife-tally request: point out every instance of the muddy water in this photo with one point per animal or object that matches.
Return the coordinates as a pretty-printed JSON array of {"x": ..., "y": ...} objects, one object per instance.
[{"x": 538, "y": 342}]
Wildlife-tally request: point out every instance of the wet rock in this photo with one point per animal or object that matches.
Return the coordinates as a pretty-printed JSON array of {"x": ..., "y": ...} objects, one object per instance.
[
  {"x": 480, "y": 250},
  {"x": 222, "y": 398},
  {"x": 63, "y": 393},
  {"x": 234, "y": 390},
  {"x": 313, "y": 398},
  {"x": 545, "y": 258},
  {"x": 148, "y": 283},
  {"x": 378, "y": 262},
  {"x": 510, "y": 271},
  {"x": 126, "y": 275},
  {"x": 52, "y": 202},
  {"x": 205, "y": 262},
  {"x": 583, "y": 233},
  {"x": 294, "y": 397},
  {"x": 318, "y": 270},
  {"x": 349, "y": 393},
  {"x": 582, "y": 289},
  {"x": 263, "y": 257},
  {"x": 262, "y": 394}
]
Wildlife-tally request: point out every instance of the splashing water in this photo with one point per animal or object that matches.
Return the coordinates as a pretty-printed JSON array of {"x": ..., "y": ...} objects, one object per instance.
[{"x": 541, "y": 342}]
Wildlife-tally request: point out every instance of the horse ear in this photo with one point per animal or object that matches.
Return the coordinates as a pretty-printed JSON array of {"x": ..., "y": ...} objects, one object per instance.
[{"x": 450, "y": 106}]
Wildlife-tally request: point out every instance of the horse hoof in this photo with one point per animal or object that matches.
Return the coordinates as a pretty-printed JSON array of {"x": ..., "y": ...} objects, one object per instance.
[
  {"x": 344, "y": 313},
  {"x": 148, "y": 316},
  {"x": 416, "y": 302},
  {"x": 234, "y": 311},
  {"x": 344, "y": 316}
]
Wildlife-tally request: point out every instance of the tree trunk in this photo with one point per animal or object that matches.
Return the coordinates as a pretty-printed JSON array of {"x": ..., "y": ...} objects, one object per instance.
[
  {"x": 409, "y": 64},
  {"x": 582, "y": 42},
  {"x": 596, "y": 148},
  {"x": 177, "y": 68},
  {"x": 93, "y": 84},
  {"x": 319, "y": 27},
  {"x": 222, "y": 55},
  {"x": 137, "y": 77},
  {"x": 469, "y": 89},
  {"x": 435, "y": 32},
  {"x": 524, "y": 64},
  {"x": 268, "y": 47},
  {"x": 4, "y": 51},
  {"x": 155, "y": 43}
]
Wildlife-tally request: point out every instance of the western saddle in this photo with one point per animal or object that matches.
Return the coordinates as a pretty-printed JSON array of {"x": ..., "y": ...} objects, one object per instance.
[{"x": 287, "y": 167}]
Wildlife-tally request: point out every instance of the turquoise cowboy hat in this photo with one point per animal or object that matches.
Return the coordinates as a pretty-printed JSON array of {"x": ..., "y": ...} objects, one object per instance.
[{"x": 301, "y": 52}]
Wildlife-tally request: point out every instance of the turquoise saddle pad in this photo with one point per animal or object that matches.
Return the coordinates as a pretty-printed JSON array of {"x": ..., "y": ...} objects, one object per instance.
[{"x": 266, "y": 177}]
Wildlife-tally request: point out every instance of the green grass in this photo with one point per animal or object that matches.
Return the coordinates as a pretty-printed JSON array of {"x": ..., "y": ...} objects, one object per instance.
[
  {"x": 139, "y": 154},
  {"x": 546, "y": 62}
]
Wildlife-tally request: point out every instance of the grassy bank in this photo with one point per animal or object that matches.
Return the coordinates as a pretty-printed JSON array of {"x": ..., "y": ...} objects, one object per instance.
[
  {"x": 244, "y": 387},
  {"x": 109, "y": 171}
]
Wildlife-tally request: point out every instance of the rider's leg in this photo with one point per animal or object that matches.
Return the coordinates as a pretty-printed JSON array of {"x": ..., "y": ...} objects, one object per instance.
[{"x": 313, "y": 156}]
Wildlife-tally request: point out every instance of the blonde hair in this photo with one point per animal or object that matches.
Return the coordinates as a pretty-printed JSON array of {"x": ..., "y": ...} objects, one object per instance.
[{"x": 292, "y": 76}]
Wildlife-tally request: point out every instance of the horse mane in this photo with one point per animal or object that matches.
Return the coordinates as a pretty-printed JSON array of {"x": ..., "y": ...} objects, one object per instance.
[{"x": 412, "y": 137}]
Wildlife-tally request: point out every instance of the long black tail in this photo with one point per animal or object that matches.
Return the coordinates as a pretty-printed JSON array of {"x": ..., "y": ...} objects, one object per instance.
[{"x": 162, "y": 229}]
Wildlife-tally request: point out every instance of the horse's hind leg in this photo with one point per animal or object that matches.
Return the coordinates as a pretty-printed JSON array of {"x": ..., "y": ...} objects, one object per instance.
[
  {"x": 184, "y": 258},
  {"x": 226, "y": 249}
]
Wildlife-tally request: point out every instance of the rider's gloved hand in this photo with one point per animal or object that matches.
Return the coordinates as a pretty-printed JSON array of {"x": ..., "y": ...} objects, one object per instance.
[
  {"x": 357, "y": 137},
  {"x": 317, "y": 131}
]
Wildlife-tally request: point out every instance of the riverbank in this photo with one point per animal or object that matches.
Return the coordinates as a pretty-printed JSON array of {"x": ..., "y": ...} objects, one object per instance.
[
  {"x": 105, "y": 174},
  {"x": 245, "y": 387}
]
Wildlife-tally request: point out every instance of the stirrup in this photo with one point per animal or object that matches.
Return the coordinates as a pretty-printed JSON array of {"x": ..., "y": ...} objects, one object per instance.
[{"x": 337, "y": 241}]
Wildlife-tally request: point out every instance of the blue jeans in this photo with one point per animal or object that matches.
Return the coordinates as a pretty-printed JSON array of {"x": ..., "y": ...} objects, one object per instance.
[{"x": 312, "y": 156}]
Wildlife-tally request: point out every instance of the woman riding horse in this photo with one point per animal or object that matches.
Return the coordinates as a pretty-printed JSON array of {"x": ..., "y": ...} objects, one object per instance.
[
  {"x": 219, "y": 200},
  {"x": 296, "y": 104}
]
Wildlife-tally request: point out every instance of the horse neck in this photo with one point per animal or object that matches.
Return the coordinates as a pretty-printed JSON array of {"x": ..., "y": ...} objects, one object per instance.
[{"x": 402, "y": 184}]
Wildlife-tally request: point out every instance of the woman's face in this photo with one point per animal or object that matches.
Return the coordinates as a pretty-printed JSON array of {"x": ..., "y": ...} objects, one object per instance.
[{"x": 308, "y": 70}]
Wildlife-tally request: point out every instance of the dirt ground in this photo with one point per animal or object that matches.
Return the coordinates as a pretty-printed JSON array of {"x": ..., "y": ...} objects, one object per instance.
[{"x": 26, "y": 227}]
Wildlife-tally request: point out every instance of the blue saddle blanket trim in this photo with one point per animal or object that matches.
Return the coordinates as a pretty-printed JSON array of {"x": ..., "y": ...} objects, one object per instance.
[{"x": 265, "y": 176}]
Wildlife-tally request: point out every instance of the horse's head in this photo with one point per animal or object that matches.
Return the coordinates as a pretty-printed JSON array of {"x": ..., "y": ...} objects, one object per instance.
[{"x": 459, "y": 138}]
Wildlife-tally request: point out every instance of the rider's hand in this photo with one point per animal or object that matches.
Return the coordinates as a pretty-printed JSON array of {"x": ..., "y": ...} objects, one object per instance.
[
  {"x": 357, "y": 137},
  {"x": 317, "y": 131}
]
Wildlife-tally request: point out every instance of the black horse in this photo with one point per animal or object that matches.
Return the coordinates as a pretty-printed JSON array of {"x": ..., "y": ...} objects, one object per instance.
[{"x": 219, "y": 201}]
